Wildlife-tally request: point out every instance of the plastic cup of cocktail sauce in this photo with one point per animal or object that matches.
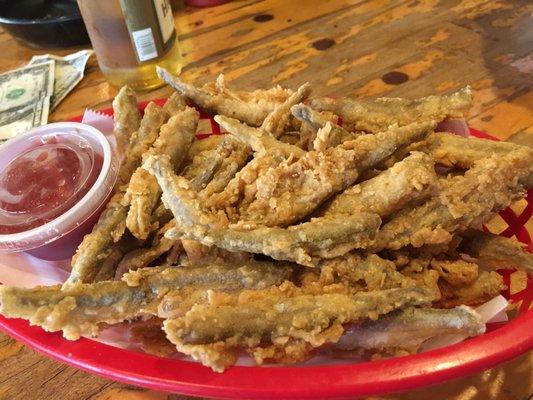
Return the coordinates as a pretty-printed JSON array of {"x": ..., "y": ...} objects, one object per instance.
[{"x": 54, "y": 182}]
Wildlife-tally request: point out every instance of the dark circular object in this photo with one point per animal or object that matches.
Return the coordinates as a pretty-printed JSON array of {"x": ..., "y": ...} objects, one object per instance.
[
  {"x": 394, "y": 78},
  {"x": 323, "y": 44},
  {"x": 44, "y": 23},
  {"x": 263, "y": 17}
]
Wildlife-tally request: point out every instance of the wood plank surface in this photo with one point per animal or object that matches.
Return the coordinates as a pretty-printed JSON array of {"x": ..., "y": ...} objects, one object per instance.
[{"x": 361, "y": 48}]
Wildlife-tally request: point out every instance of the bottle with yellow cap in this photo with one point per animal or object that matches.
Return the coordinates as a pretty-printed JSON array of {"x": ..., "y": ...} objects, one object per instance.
[{"x": 131, "y": 37}]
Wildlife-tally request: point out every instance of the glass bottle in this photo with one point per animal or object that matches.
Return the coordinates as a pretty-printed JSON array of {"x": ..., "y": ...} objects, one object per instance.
[{"x": 131, "y": 37}]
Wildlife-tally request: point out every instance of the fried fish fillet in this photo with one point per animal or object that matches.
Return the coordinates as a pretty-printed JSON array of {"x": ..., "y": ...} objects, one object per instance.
[
  {"x": 377, "y": 115},
  {"x": 496, "y": 251},
  {"x": 111, "y": 224},
  {"x": 143, "y": 192},
  {"x": 411, "y": 179},
  {"x": 127, "y": 117},
  {"x": 462, "y": 202},
  {"x": 409, "y": 328},
  {"x": 80, "y": 309},
  {"x": 280, "y": 324},
  {"x": 325, "y": 237},
  {"x": 251, "y": 108}
]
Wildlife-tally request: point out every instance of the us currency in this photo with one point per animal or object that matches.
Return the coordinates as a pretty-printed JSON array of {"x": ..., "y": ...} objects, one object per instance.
[
  {"x": 24, "y": 86},
  {"x": 20, "y": 120},
  {"x": 25, "y": 98},
  {"x": 69, "y": 71}
]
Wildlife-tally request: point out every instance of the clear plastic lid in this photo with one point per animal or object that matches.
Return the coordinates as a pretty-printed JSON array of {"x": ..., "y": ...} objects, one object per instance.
[{"x": 52, "y": 180}]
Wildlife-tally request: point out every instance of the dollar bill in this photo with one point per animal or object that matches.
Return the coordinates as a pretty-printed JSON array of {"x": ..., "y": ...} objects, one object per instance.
[
  {"x": 69, "y": 71},
  {"x": 26, "y": 86},
  {"x": 20, "y": 120}
]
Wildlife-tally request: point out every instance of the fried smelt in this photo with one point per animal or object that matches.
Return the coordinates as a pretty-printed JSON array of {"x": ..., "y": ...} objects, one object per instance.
[
  {"x": 111, "y": 224},
  {"x": 328, "y": 132},
  {"x": 496, "y": 251},
  {"x": 463, "y": 201},
  {"x": 257, "y": 138},
  {"x": 82, "y": 308},
  {"x": 276, "y": 121},
  {"x": 275, "y": 191},
  {"x": 325, "y": 237},
  {"x": 488, "y": 285},
  {"x": 142, "y": 256},
  {"x": 283, "y": 325},
  {"x": 218, "y": 163},
  {"x": 127, "y": 117},
  {"x": 377, "y": 115},
  {"x": 178, "y": 195},
  {"x": 154, "y": 117},
  {"x": 412, "y": 179},
  {"x": 453, "y": 150},
  {"x": 369, "y": 272},
  {"x": 291, "y": 191},
  {"x": 251, "y": 108},
  {"x": 409, "y": 328},
  {"x": 455, "y": 272},
  {"x": 143, "y": 192}
]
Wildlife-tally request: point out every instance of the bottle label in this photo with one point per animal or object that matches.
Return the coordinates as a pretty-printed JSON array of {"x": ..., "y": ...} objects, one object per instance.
[{"x": 151, "y": 27}]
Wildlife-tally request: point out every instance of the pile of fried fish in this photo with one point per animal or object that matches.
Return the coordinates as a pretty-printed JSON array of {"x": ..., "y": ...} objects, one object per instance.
[{"x": 291, "y": 232}]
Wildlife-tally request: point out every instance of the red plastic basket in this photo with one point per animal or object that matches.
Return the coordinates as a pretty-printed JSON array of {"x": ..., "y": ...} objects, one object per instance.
[{"x": 502, "y": 342}]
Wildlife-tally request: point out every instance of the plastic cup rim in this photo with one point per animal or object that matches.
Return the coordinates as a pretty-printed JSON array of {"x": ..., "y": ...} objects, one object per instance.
[{"x": 63, "y": 218}]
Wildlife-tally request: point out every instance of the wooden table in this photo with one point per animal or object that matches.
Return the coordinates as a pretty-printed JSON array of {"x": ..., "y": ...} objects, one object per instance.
[{"x": 362, "y": 48}]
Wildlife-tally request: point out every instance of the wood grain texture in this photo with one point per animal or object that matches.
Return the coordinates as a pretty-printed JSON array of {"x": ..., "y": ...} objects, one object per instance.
[{"x": 358, "y": 47}]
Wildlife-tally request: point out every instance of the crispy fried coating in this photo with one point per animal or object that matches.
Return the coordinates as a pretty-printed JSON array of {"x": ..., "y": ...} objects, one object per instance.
[
  {"x": 325, "y": 237},
  {"x": 174, "y": 104},
  {"x": 154, "y": 117},
  {"x": 143, "y": 192},
  {"x": 496, "y": 251},
  {"x": 97, "y": 245},
  {"x": 462, "y": 202},
  {"x": 202, "y": 146},
  {"x": 276, "y": 121},
  {"x": 81, "y": 308},
  {"x": 199, "y": 254},
  {"x": 217, "y": 165},
  {"x": 142, "y": 256},
  {"x": 377, "y": 115},
  {"x": 178, "y": 195},
  {"x": 126, "y": 244},
  {"x": 292, "y": 190},
  {"x": 284, "y": 193},
  {"x": 257, "y": 138},
  {"x": 488, "y": 285},
  {"x": 150, "y": 337},
  {"x": 328, "y": 132},
  {"x": 372, "y": 271},
  {"x": 453, "y": 150},
  {"x": 280, "y": 323},
  {"x": 412, "y": 179},
  {"x": 409, "y": 328},
  {"x": 251, "y": 108},
  {"x": 127, "y": 117},
  {"x": 455, "y": 272}
]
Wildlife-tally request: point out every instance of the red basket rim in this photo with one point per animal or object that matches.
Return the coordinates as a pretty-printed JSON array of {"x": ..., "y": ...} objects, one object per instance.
[{"x": 324, "y": 381}]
